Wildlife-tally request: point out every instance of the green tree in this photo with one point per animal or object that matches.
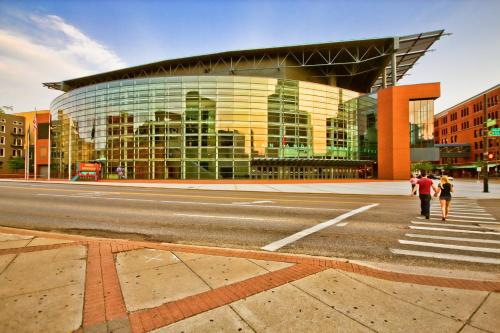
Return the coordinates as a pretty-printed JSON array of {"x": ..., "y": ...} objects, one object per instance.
[
  {"x": 422, "y": 166},
  {"x": 4, "y": 109},
  {"x": 16, "y": 164}
]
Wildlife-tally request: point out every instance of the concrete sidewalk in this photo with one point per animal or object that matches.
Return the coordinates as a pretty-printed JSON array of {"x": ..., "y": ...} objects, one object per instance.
[
  {"x": 471, "y": 189},
  {"x": 60, "y": 283}
]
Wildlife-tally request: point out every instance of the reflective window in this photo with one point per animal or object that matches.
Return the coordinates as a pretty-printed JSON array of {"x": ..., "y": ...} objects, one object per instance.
[
  {"x": 207, "y": 127},
  {"x": 421, "y": 123}
]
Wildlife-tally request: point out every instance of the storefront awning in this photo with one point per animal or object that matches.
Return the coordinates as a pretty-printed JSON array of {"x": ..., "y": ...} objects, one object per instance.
[{"x": 472, "y": 166}]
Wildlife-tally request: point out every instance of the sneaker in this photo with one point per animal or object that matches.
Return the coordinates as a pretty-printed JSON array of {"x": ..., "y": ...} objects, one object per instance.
[
  {"x": 443, "y": 219},
  {"x": 426, "y": 217}
]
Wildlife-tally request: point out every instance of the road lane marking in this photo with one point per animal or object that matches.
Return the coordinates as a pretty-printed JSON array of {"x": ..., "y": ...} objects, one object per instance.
[
  {"x": 306, "y": 232},
  {"x": 187, "y": 202},
  {"x": 252, "y": 202},
  {"x": 455, "y": 230},
  {"x": 464, "y": 212},
  {"x": 457, "y": 220},
  {"x": 458, "y": 239},
  {"x": 224, "y": 217},
  {"x": 457, "y": 257},
  {"x": 450, "y": 246},
  {"x": 476, "y": 217},
  {"x": 211, "y": 196},
  {"x": 447, "y": 224}
]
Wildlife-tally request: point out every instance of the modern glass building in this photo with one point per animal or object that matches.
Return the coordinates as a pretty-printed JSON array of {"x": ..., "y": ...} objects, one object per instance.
[{"x": 301, "y": 112}]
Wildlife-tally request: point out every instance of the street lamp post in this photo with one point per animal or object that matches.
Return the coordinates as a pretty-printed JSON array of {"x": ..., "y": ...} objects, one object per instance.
[{"x": 485, "y": 145}]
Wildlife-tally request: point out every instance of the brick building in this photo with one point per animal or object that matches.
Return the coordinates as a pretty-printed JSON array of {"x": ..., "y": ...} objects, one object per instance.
[
  {"x": 42, "y": 134},
  {"x": 459, "y": 132},
  {"x": 11, "y": 140}
]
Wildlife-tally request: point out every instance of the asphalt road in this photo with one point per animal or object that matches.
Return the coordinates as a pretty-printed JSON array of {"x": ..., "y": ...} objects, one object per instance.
[{"x": 390, "y": 231}]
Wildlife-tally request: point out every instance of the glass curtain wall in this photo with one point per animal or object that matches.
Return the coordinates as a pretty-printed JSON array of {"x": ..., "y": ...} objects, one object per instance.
[
  {"x": 201, "y": 127},
  {"x": 421, "y": 123}
]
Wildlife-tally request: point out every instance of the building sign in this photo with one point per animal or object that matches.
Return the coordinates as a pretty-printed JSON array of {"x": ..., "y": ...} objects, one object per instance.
[
  {"x": 491, "y": 122},
  {"x": 89, "y": 171},
  {"x": 494, "y": 132}
]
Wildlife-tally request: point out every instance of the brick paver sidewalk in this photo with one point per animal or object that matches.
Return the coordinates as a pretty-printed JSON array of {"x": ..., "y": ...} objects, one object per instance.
[{"x": 58, "y": 283}]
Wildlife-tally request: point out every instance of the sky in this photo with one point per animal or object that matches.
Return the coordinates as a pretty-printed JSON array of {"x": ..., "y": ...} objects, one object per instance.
[{"x": 47, "y": 41}]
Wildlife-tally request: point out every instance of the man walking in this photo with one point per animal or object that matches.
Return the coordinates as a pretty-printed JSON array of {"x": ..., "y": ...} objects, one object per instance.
[{"x": 423, "y": 187}]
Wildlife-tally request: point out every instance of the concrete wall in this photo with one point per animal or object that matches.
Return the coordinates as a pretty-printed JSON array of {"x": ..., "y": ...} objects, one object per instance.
[{"x": 393, "y": 127}]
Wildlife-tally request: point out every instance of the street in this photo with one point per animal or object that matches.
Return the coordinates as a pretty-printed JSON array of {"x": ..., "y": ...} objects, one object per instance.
[{"x": 386, "y": 229}]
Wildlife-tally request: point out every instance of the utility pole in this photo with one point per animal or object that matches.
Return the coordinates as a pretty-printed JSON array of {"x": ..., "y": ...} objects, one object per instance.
[
  {"x": 69, "y": 148},
  {"x": 485, "y": 145}
]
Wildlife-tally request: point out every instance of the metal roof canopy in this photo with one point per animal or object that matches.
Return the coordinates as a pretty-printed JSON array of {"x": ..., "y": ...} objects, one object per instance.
[{"x": 356, "y": 65}]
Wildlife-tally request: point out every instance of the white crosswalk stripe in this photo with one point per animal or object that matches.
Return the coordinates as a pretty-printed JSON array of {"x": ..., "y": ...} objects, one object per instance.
[
  {"x": 447, "y": 224},
  {"x": 460, "y": 239},
  {"x": 434, "y": 238},
  {"x": 460, "y": 220}
]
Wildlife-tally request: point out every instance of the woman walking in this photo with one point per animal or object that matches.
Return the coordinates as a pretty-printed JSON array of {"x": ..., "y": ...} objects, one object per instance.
[
  {"x": 445, "y": 188},
  {"x": 413, "y": 181}
]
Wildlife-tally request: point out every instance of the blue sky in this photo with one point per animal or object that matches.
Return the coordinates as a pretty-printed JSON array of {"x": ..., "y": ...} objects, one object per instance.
[{"x": 44, "y": 41}]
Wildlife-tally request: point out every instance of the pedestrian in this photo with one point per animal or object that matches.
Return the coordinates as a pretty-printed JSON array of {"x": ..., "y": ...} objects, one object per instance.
[
  {"x": 424, "y": 186},
  {"x": 445, "y": 188},
  {"x": 413, "y": 181},
  {"x": 119, "y": 171}
]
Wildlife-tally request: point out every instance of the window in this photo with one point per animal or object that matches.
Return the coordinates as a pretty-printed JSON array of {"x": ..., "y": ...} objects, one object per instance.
[
  {"x": 2, "y": 129},
  {"x": 2, "y": 152},
  {"x": 2, "y": 140}
]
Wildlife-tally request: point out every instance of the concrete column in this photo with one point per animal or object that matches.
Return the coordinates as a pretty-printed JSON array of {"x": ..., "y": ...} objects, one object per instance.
[
  {"x": 393, "y": 69},
  {"x": 395, "y": 47},
  {"x": 384, "y": 78}
]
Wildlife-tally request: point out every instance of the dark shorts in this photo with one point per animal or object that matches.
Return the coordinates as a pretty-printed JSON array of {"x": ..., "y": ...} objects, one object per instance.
[{"x": 447, "y": 198}]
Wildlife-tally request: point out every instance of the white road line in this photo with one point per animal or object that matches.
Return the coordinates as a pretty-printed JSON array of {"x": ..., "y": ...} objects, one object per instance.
[
  {"x": 306, "y": 232},
  {"x": 447, "y": 256},
  {"x": 447, "y": 224},
  {"x": 468, "y": 212},
  {"x": 457, "y": 220},
  {"x": 252, "y": 202},
  {"x": 474, "y": 216},
  {"x": 455, "y": 230},
  {"x": 451, "y": 246},
  {"x": 189, "y": 202},
  {"x": 224, "y": 217},
  {"x": 458, "y": 239}
]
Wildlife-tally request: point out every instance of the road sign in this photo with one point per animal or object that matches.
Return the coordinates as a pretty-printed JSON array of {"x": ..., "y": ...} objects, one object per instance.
[
  {"x": 494, "y": 132},
  {"x": 491, "y": 122}
]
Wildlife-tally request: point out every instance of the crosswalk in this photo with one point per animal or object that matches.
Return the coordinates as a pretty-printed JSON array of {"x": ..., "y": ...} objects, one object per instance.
[{"x": 469, "y": 234}]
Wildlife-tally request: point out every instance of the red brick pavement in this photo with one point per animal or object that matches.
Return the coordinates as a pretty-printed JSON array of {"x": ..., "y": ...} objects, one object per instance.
[{"x": 103, "y": 301}]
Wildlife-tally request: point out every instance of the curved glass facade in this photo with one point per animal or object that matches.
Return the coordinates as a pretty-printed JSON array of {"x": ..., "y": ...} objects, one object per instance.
[{"x": 204, "y": 127}]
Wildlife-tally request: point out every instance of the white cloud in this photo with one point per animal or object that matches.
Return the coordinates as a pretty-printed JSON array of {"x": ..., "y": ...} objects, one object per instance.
[{"x": 48, "y": 49}]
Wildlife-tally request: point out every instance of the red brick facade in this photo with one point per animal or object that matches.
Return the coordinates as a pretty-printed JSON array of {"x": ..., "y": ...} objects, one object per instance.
[{"x": 463, "y": 124}]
